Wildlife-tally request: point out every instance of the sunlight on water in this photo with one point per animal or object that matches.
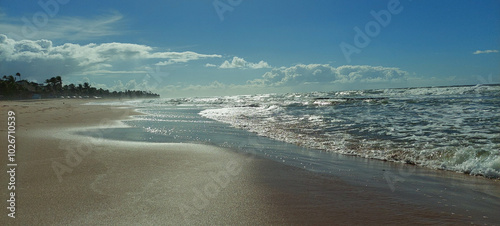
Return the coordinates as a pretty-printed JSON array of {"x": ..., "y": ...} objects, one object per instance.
[{"x": 451, "y": 128}]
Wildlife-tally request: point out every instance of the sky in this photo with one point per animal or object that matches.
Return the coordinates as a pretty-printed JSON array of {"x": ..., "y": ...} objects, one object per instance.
[{"x": 228, "y": 47}]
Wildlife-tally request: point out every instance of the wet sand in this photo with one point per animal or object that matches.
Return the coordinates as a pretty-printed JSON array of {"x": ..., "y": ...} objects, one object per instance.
[{"x": 68, "y": 179}]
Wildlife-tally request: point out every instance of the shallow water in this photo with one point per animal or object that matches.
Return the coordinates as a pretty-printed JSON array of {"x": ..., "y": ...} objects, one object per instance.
[
  {"x": 449, "y": 192},
  {"x": 451, "y": 128}
]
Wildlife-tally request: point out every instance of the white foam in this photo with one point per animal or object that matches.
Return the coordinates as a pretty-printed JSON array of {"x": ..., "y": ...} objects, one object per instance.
[{"x": 441, "y": 127}]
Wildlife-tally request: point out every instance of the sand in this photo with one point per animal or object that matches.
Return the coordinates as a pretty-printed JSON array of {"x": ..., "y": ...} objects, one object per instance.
[{"x": 65, "y": 179}]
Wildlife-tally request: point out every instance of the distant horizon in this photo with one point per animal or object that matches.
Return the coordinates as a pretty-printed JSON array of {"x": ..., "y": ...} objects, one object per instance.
[
  {"x": 219, "y": 48},
  {"x": 410, "y": 87}
]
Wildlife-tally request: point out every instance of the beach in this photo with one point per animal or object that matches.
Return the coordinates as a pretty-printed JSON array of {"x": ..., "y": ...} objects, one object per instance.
[{"x": 68, "y": 179}]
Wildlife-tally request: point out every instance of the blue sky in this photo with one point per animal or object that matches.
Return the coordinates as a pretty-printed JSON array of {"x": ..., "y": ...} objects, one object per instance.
[{"x": 225, "y": 47}]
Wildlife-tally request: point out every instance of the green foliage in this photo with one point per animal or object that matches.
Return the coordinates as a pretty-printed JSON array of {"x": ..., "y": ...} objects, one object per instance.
[{"x": 53, "y": 87}]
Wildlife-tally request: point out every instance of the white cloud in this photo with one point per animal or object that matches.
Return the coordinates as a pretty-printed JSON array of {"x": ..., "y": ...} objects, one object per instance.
[
  {"x": 180, "y": 57},
  {"x": 259, "y": 65},
  {"x": 61, "y": 27},
  {"x": 112, "y": 72},
  {"x": 324, "y": 73},
  {"x": 235, "y": 63},
  {"x": 131, "y": 63},
  {"x": 164, "y": 63},
  {"x": 243, "y": 64},
  {"x": 485, "y": 51},
  {"x": 298, "y": 78},
  {"x": 41, "y": 57}
]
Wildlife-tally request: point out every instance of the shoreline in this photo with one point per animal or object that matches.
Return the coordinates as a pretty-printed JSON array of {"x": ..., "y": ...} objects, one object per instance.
[{"x": 124, "y": 182}]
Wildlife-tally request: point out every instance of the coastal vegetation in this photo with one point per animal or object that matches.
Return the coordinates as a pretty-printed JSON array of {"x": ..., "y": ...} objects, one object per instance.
[{"x": 12, "y": 87}]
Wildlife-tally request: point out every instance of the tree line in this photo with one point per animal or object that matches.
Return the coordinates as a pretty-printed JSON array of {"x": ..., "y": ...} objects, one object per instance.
[{"x": 13, "y": 88}]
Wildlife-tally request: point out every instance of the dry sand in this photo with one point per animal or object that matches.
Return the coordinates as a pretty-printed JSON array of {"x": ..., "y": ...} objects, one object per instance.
[{"x": 130, "y": 183}]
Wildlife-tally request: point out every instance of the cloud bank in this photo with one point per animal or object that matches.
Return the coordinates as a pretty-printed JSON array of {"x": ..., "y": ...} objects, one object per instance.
[
  {"x": 485, "y": 51},
  {"x": 129, "y": 66},
  {"x": 63, "y": 27},
  {"x": 299, "y": 78},
  {"x": 324, "y": 73},
  {"x": 42, "y": 57},
  {"x": 243, "y": 64}
]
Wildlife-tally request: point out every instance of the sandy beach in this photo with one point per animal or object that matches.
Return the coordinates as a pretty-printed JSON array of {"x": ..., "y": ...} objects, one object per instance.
[{"x": 65, "y": 179}]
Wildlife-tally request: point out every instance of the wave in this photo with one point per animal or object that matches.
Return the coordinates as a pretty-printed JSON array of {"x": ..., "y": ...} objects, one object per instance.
[{"x": 448, "y": 128}]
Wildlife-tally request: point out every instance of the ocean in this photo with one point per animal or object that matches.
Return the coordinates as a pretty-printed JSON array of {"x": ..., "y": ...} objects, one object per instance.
[
  {"x": 447, "y": 128},
  {"x": 437, "y": 147}
]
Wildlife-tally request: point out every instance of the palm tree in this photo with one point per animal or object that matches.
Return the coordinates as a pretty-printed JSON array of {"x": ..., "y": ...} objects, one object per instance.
[
  {"x": 86, "y": 87},
  {"x": 58, "y": 83},
  {"x": 11, "y": 84},
  {"x": 11, "y": 79},
  {"x": 72, "y": 89},
  {"x": 49, "y": 84},
  {"x": 18, "y": 75},
  {"x": 79, "y": 88},
  {"x": 53, "y": 84}
]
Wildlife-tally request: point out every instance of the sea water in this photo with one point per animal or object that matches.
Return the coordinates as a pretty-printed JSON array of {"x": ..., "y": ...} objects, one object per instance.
[
  {"x": 345, "y": 134},
  {"x": 449, "y": 128}
]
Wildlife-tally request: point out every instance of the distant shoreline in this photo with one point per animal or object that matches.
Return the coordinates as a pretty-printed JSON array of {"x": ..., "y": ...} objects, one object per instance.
[{"x": 11, "y": 88}]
